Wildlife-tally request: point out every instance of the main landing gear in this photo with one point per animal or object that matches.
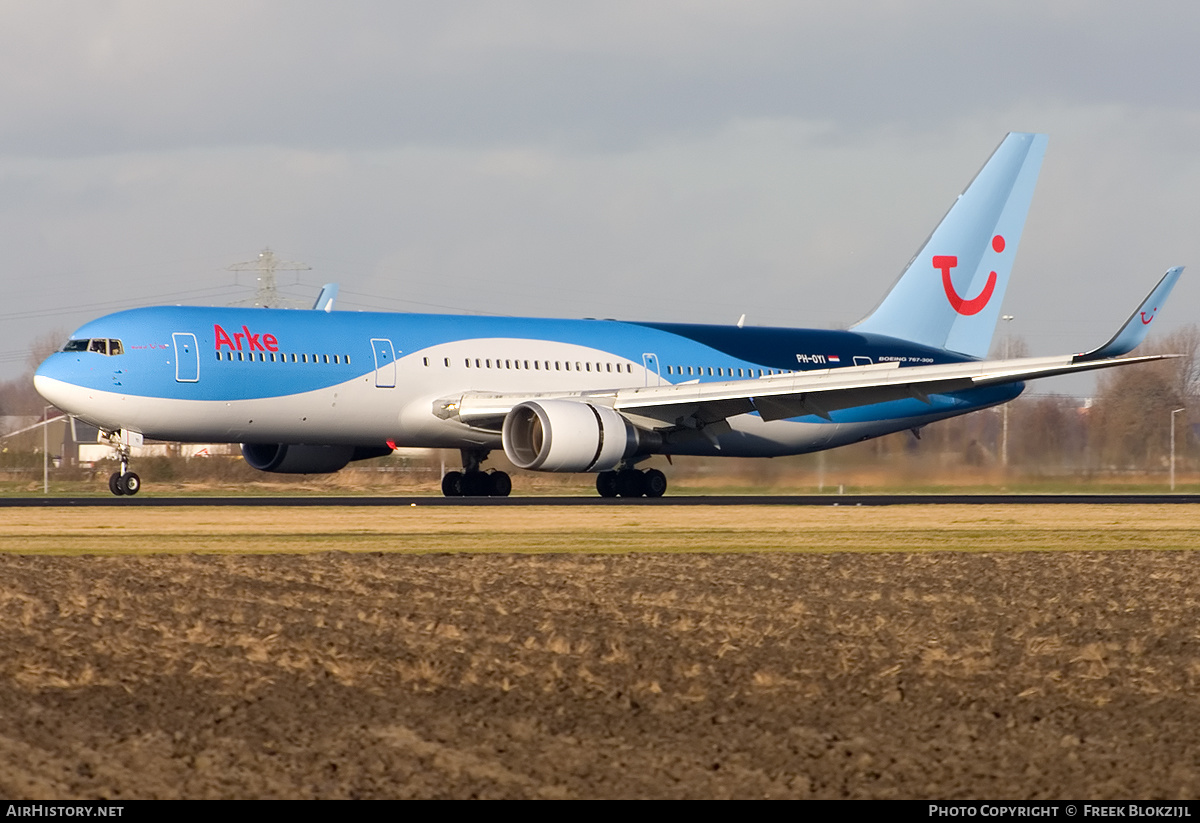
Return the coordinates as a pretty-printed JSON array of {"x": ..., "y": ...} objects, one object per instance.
[
  {"x": 631, "y": 483},
  {"x": 472, "y": 482},
  {"x": 123, "y": 482}
]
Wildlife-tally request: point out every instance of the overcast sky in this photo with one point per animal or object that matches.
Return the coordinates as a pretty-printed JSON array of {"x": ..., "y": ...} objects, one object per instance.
[{"x": 685, "y": 161}]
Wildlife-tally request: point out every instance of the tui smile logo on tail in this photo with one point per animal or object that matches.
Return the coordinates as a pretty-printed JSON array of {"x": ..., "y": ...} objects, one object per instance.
[{"x": 945, "y": 262}]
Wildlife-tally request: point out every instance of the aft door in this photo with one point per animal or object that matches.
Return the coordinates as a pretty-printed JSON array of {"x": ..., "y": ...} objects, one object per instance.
[
  {"x": 187, "y": 358},
  {"x": 385, "y": 363},
  {"x": 653, "y": 375}
]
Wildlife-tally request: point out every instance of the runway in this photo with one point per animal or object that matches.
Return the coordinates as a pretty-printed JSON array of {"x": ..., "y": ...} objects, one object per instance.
[{"x": 698, "y": 500}]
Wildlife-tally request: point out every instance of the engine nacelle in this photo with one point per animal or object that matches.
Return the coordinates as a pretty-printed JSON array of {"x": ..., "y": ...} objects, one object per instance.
[
  {"x": 290, "y": 458},
  {"x": 567, "y": 436}
]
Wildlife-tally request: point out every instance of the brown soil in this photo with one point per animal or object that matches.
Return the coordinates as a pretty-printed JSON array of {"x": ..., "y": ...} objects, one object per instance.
[{"x": 938, "y": 675}]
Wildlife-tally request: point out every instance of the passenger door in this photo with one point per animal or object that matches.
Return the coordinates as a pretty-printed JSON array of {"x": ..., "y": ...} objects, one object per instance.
[
  {"x": 187, "y": 358},
  {"x": 385, "y": 363},
  {"x": 653, "y": 375}
]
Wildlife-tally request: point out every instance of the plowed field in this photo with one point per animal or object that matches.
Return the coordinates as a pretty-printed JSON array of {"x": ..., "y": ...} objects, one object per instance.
[{"x": 578, "y": 673}]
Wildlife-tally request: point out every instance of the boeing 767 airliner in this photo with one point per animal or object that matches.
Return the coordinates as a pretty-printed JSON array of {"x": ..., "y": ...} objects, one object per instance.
[{"x": 311, "y": 391}]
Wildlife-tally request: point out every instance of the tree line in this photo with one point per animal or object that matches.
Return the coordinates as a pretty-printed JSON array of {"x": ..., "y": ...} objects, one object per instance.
[{"x": 1125, "y": 426}]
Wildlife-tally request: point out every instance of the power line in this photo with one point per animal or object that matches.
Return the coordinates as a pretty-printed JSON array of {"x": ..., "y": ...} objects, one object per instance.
[
  {"x": 115, "y": 304},
  {"x": 267, "y": 294}
]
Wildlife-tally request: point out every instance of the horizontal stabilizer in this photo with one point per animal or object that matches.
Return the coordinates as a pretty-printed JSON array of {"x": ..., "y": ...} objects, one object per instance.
[{"x": 1134, "y": 331}]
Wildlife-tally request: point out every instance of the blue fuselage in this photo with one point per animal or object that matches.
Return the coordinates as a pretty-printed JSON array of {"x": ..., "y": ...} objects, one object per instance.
[{"x": 370, "y": 379}]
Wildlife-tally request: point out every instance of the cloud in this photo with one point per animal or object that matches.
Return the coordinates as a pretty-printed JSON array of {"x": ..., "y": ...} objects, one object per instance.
[
  {"x": 671, "y": 160},
  {"x": 145, "y": 76}
]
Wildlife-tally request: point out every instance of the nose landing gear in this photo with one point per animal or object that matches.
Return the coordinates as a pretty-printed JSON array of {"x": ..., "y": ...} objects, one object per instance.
[{"x": 123, "y": 482}]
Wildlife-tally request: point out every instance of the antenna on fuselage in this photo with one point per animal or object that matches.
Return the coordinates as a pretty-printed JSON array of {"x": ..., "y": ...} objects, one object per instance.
[{"x": 267, "y": 293}]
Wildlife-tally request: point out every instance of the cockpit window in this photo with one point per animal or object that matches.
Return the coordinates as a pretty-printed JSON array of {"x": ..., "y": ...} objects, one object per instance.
[{"x": 99, "y": 345}]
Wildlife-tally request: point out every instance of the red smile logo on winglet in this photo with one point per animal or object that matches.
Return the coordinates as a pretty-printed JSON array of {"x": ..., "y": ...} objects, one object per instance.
[{"x": 945, "y": 262}]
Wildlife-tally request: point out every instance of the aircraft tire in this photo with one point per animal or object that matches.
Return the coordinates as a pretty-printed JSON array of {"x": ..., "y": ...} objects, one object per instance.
[
  {"x": 501, "y": 484},
  {"x": 476, "y": 484},
  {"x": 452, "y": 484},
  {"x": 655, "y": 483},
  {"x": 606, "y": 484},
  {"x": 114, "y": 484},
  {"x": 631, "y": 483},
  {"x": 130, "y": 484}
]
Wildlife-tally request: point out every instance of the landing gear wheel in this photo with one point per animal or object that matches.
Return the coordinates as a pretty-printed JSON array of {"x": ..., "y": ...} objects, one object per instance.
[
  {"x": 124, "y": 481},
  {"x": 471, "y": 482},
  {"x": 655, "y": 483},
  {"x": 630, "y": 483},
  {"x": 452, "y": 484},
  {"x": 501, "y": 484},
  {"x": 606, "y": 484},
  {"x": 130, "y": 484},
  {"x": 476, "y": 484}
]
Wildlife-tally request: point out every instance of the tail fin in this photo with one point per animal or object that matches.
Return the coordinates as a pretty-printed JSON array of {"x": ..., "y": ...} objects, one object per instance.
[{"x": 949, "y": 296}]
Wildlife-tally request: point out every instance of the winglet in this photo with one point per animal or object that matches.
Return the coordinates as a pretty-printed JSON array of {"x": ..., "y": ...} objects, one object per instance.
[
  {"x": 1135, "y": 328},
  {"x": 326, "y": 297}
]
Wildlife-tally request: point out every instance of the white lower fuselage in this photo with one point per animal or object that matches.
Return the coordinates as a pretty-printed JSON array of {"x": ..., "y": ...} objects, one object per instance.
[{"x": 394, "y": 403}]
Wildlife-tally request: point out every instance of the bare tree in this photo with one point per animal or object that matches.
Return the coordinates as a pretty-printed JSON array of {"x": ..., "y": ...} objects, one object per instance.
[
  {"x": 1130, "y": 424},
  {"x": 1047, "y": 433},
  {"x": 1186, "y": 343},
  {"x": 18, "y": 396}
]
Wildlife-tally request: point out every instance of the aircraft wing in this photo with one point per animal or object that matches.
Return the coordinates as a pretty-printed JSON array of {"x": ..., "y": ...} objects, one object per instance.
[
  {"x": 782, "y": 396},
  {"x": 820, "y": 392}
]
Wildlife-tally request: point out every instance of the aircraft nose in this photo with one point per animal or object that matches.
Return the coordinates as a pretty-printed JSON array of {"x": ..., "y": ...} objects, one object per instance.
[{"x": 50, "y": 380}]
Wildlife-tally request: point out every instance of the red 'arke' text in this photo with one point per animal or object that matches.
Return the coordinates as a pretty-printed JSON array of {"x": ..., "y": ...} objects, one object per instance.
[{"x": 223, "y": 338}]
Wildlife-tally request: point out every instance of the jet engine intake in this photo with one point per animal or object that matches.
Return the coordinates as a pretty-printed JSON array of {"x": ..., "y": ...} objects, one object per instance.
[{"x": 567, "y": 436}]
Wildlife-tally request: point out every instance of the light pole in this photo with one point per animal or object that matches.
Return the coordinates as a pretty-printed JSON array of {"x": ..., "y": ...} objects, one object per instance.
[
  {"x": 1177, "y": 411},
  {"x": 45, "y": 450},
  {"x": 1008, "y": 318}
]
